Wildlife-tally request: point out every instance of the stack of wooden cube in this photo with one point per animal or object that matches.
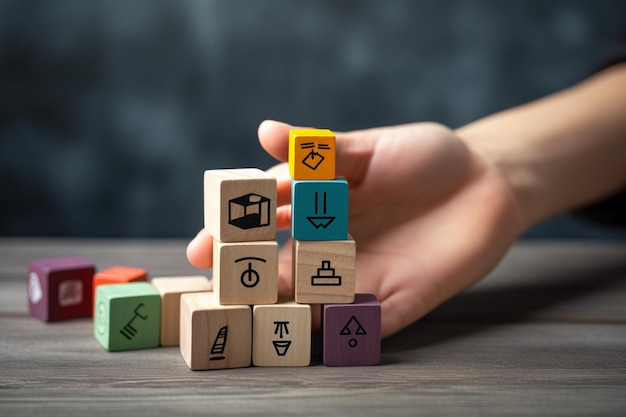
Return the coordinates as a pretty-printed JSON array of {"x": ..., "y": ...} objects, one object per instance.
[{"x": 244, "y": 321}]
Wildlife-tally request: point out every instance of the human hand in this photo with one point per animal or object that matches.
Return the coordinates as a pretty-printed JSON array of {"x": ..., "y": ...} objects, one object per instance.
[{"x": 429, "y": 214}]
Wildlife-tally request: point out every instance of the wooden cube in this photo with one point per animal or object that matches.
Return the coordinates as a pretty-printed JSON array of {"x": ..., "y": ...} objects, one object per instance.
[
  {"x": 170, "y": 289},
  {"x": 118, "y": 275},
  {"x": 281, "y": 334},
  {"x": 128, "y": 316},
  {"x": 214, "y": 336},
  {"x": 324, "y": 271},
  {"x": 245, "y": 272},
  {"x": 240, "y": 204},
  {"x": 319, "y": 209},
  {"x": 312, "y": 154},
  {"x": 60, "y": 288},
  {"x": 351, "y": 332}
]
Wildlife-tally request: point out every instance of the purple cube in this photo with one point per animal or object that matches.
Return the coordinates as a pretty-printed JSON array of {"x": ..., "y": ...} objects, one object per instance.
[
  {"x": 351, "y": 332},
  {"x": 60, "y": 288}
]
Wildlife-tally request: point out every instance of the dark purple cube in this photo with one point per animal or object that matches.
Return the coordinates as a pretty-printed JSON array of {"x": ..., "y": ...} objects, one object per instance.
[
  {"x": 60, "y": 288},
  {"x": 351, "y": 332}
]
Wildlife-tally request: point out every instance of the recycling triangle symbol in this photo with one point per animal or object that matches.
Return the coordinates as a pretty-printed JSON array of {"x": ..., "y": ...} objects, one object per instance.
[{"x": 351, "y": 324}]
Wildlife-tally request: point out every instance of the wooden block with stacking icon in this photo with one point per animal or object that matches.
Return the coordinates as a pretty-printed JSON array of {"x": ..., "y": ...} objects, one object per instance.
[
  {"x": 170, "y": 289},
  {"x": 240, "y": 205},
  {"x": 245, "y": 272},
  {"x": 281, "y": 334},
  {"x": 351, "y": 332},
  {"x": 312, "y": 154},
  {"x": 324, "y": 271},
  {"x": 214, "y": 336}
]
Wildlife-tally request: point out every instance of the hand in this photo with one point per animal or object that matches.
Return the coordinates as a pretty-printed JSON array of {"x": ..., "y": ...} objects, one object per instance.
[{"x": 430, "y": 215}]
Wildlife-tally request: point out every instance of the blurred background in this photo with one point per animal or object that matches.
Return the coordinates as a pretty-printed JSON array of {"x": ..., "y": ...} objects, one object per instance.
[{"x": 111, "y": 111}]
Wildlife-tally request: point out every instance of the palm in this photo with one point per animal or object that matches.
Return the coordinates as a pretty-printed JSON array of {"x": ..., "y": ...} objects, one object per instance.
[{"x": 429, "y": 217}]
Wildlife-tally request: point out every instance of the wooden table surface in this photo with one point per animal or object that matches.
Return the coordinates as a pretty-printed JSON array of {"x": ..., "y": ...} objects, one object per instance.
[{"x": 543, "y": 334}]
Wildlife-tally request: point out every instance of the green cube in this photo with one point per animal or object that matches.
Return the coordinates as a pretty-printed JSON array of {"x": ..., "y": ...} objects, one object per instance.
[{"x": 128, "y": 316}]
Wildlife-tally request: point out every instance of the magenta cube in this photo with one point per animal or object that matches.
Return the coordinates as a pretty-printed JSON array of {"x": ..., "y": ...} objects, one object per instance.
[
  {"x": 351, "y": 332},
  {"x": 60, "y": 288}
]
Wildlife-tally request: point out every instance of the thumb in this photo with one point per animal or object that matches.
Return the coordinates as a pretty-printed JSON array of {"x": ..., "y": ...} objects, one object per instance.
[{"x": 353, "y": 153}]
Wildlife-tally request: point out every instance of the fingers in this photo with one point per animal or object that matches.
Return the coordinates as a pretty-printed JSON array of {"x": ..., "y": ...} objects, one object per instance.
[
  {"x": 200, "y": 250},
  {"x": 353, "y": 153},
  {"x": 274, "y": 137}
]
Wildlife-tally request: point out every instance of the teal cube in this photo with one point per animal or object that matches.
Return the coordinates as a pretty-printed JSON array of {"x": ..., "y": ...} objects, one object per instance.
[
  {"x": 319, "y": 209},
  {"x": 127, "y": 316}
]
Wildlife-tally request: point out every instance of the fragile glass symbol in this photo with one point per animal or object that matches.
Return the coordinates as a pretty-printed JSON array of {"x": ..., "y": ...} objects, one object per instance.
[
  {"x": 250, "y": 277},
  {"x": 219, "y": 344},
  {"x": 249, "y": 211},
  {"x": 353, "y": 327},
  {"x": 326, "y": 276},
  {"x": 281, "y": 346},
  {"x": 129, "y": 331},
  {"x": 313, "y": 159},
  {"x": 320, "y": 221}
]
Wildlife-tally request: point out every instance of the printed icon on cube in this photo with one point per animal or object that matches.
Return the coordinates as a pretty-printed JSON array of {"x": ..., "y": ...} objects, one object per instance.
[
  {"x": 325, "y": 275},
  {"x": 312, "y": 154},
  {"x": 240, "y": 204},
  {"x": 219, "y": 345},
  {"x": 249, "y": 211},
  {"x": 282, "y": 330}
]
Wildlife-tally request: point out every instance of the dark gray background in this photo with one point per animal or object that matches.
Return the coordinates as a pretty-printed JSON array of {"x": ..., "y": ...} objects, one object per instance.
[{"x": 111, "y": 111}]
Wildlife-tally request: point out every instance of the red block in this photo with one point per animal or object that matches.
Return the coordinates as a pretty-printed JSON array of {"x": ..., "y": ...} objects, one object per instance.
[
  {"x": 351, "y": 332},
  {"x": 60, "y": 288}
]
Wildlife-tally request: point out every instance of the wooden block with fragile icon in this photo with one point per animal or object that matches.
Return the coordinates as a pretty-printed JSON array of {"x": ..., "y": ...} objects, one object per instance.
[
  {"x": 351, "y": 332},
  {"x": 245, "y": 272},
  {"x": 312, "y": 154},
  {"x": 128, "y": 316},
  {"x": 170, "y": 289},
  {"x": 118, "y": 275},
  {"x": 281, "y": 334},
  {"x": 214, "y": 336},
  {"x": 319, "y": 209},
  {"x": 324, "y": 271},
  {"x": 240, "y": 204},
  {"x": 60, "y": 288}
]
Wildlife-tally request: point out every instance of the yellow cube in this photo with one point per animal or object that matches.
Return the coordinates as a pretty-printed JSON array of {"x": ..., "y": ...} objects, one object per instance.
[{"x": 312, "y": 154}]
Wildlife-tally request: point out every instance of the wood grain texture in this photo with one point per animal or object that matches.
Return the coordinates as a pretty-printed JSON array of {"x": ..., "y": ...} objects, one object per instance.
[
  {"x": 245, "y": 272},
  {"x": 170, "y": 289},
  {"x": 214, "y": 336},
  {"x": 324, "y": 271},
  {"x": 543, "y": 334},
  {"x": 281, "y": 334},
  {"x": 240, "y": 204}
]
